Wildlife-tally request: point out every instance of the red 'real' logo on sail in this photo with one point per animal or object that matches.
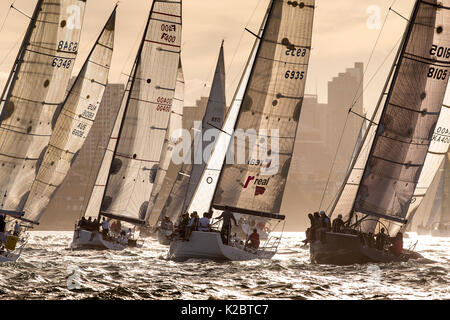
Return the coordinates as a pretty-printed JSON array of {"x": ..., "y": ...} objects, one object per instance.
[{"x": 259, "y": 183}]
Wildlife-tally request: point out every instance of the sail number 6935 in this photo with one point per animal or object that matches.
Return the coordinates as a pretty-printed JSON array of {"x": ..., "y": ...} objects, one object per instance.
[{"x": 294, "y": 75}]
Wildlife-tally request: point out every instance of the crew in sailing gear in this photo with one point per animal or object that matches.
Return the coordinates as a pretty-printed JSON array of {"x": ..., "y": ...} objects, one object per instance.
[
  {"x": 16, "y": 229},
  {"x": 227, "y": 216},
  {"x": 2, "y": 223},
  {"x": 317, "y": 226},
  {"x": 338, "y": 224},
  {"x": 310, "y": 231},
  {"x": 192, "y": 226},
  {"x": 254, "y": 239},
  {"x": 203, "y": 223},
  {"x": 380, "y": 240},
  {"x": 397, "y": 244},
  {"x": 105, "y": 228},
  {"x": 326, "y": 224},
  {"x": 183, "y": 224}
]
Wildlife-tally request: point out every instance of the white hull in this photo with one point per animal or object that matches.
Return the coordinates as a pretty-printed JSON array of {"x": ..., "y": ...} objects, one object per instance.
[
  {"x": 86, "y": 240},
  {"x": 208, "y": 245}
]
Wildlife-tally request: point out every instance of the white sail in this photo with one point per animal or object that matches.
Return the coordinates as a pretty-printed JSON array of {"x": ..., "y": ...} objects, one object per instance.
[
  {"x": 201, "y": 201},
  {"x": 74, "y": 122},
  {"x": 436, "y": 155},
  {"x": 172, "y": 139},
  {"x": 35, "y": 91},
  {"x": 146, "y": 116}
]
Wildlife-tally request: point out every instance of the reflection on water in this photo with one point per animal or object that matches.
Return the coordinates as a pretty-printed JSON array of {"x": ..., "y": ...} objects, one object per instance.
[{"x": 47, "y": 269}]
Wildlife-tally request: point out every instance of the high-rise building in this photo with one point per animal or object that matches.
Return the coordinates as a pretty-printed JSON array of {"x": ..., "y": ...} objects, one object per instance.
[{"x": 323, "y": 149}]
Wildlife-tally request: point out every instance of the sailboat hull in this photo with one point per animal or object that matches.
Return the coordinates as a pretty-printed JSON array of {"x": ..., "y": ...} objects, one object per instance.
[
  {"x": 208, "y": 245},
  {"x": 92, "y": 240},
  {"x": 346, "y": 249}
]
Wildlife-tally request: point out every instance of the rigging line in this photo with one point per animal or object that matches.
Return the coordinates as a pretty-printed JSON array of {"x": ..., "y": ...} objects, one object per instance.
[
  {"x": 6, "y": 17},
  {"x": 238, "y": 46},
  {"x": 378, "y": 70},
  {"x": 21, "y": 12},
  {"x": 372, "y": 53}
]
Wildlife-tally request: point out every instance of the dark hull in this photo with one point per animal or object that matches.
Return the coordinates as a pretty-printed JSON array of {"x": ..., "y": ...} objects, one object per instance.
[{"x": 346, "y": 249}]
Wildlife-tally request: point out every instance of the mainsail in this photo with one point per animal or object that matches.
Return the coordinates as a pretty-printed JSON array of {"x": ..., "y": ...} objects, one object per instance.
[
  {"x": 73, "y": 123},
  {"x": 272, "y": 103},
  {"x": 403, "y": 153},
  {"x": 173, "y": 138},
  {"x": 146, "y": 110},
  {"x": 35, "y": 90}
]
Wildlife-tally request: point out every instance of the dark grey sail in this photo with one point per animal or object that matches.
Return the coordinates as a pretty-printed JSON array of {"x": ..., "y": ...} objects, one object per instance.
[{"x": 408, "y": 121}]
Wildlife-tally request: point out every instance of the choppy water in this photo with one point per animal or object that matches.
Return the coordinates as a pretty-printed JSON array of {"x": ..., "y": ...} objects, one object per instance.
[{"x": 48, "y": 270}]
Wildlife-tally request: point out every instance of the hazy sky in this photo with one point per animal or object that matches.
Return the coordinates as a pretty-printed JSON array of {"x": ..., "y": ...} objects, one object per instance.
[{"x": 345, "y": 32}]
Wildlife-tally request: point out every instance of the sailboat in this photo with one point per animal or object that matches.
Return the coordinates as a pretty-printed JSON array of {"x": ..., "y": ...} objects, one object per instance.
[
  {"x": 130, "y": 162},
  {"x": 441, "y": 224},
  {"x": 35, "y": 89},
  {"x": 433, "y": 208},
  {"x": 190, "y": 172},
  {"x": 269, "y": 98},
  {"x": 403, "y": 146}
]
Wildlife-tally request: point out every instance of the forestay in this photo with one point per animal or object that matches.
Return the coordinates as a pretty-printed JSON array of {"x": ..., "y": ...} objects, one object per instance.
[
  {"x": 174, "y": 136},
  {"x": 146, "y": 116},
  {"x": 408, "y": 122},
  {"x": 74, "y": 122},
  {"x": 36, "y": 89},
  {"x": 270, "y": 112}
]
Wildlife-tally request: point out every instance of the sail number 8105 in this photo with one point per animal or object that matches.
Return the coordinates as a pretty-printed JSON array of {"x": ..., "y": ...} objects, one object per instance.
[{"x": 437, "y": 73}]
